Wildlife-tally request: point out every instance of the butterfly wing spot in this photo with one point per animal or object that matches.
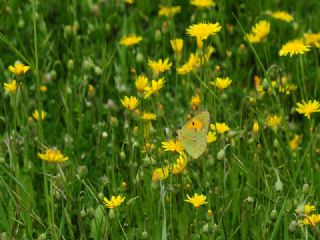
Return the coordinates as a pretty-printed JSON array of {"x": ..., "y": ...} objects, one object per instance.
[{"x": 194, "y": 138}]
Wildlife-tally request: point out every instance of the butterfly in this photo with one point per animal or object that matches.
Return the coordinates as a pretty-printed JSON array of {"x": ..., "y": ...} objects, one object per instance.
[{"x": 193, "y": 135}]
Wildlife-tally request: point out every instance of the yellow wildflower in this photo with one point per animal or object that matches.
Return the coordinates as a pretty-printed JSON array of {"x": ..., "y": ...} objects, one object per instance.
[
  {"x": 259, "y": 32},
  {"x": 129, "y": 1},
  {"x": 255, "y": 127},
  {"x": 36, "y": 115},
  {"x": 273, "y": 121},
  {"x": 43, "y": 88},
  {"x": 159, "y": 66},
  {"x": 211, "y": 137},
  {"x": 203, "y": 3},
  {"x": 294, "y": 143},
  {"x": 281, "y": 15},
  {"x": 311, "y": 220},
  {"x": 155, "y": 86},
  {"x": 114, "y": 202},
  {"x": 193, "y": 62},
  {"x": 220, "y": 127},
  {"x": 196, "y": 200},
  {"x": 203, "y": 30},
  {"x": 312, "y": 39},
  {"x": 130, "y": 40},
  {"x": 91, "y": 89},
  {"x": 180, "y": 164},
  {"x": 130, "y": 102},
  {"x": 221, "y": 83},
  {"x": 173, "y": 146},
  {"x": 149, "y": 116},
  {"x": 307, "y": 108},
  {"x": 10, "y": 86},
  {"x": 294, "y": 47},
  {"x": 309, "y": 208},
  {"x": 195, "y": 102},
  {"x": 19, "y": 68},
  {"x": 169, "y": 11},
  {"x": 177, "y": 45},
  {"x": 52, "y": 155},
  {"x": 141, "y": 83},
  {"x": 160, "y": 174}
]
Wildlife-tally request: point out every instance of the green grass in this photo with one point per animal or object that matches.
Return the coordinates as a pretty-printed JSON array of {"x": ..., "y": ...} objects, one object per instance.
[{"x": 254, "y": 190}]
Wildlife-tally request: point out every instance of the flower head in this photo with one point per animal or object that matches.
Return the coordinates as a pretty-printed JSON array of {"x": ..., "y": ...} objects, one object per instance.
[
  {"x": 174, "y": 146},
  {"x": 159, "y": 66},
  {"x": 130, "y": 102},
  {"x": 203, "y": 30},
  {"x": 169, "y": 11},
  {"x": 193, "y": 62},
  {"x": 311, "y": 220},
  {"x": 259, "y": 32},
  {"x": 130, "y": 40},
  {"x": 294, "y": 143},
  {"x": 312, "y": 39},
  {"x": 221, "y": 83},
  {"x": 309, "y": 208},
  {"x": 19, "y": 68},
  {"x": 195, "y": 102},
  {"x": 141, "y": 83},
  {"x": 177, "y": 45},
  {"x": 255, "y": 127},
  {"x": 281, "y": 15},
  {"x": 180, "y": 164},
  {"x": 148, "y": 116},
  {"x": 43, "y": 88},
  {"x": 196, "y": 200},
  {"x": 294, "y": 47},
  {"x": 114, "y": 202},
  {"x": 307, "y": 108},
  {"x": 273, "y": 121},
  {"x": 52, "y": 155},
  {"x": 211, "y": 137},
  {"x": 160, "y": 174},
  {"x": 203, "y": 3},
  {"x": 220, "y": 127},
  {"x": 10, "y": 86},
  {"x": 36, "y": 115},
  {"x": 91, "y": 89},
  {"x": 155, "y": 86}
]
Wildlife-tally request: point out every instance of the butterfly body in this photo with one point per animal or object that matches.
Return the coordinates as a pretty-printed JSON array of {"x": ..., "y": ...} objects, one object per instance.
[{"x": 193, "y": 135}]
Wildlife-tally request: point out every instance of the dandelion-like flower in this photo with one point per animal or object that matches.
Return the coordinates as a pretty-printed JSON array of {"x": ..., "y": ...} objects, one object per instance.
[
  {"x": 203, "y": 30},
  {"x": 155, "y": 86},
  {"x": 312, "y": 39},
  {"x": 169, "y": 11},
  {"x": 177, "y": 45},
  {"x": 52, "y": 155},
  {"x": 174, "y": 146},
  {"x": 273, "y": 121},
  {"x": 130, "y": 102},
  {"x": 211, "y": 137},
  {"x": 180, "y": 164},
  {"x": 10, "y": 86},
  {"x": 43, "y": 88},
  {"x": 195, "y": 102},
  {"x": 203, "y": 3},
  {"x": 221, "y": 83},
  {"x": 281, "y": 15},
  {"x": 160, "y": 174},
  {"x": 307, "y": 108},
  {"x": 193, "y": 63},
  {"x": 259, "y": 32},
  {"x": 130, "y": 40},
  {"x": 19, "y": 68},
  {"x": 220, "y": 127},
  {"x": 141, "y": 83},
  {"x": 294, "y": 143},
  {"x": 309, "y": 208},
  {"x": 36, "y": 115},
  {"x": 197, "y": 200},
  {"x": 114, "y": 202},
  {"x": 255, "y": 127},
  {"x": 159, "y": 66},
  {"x": 311, "y": 220},
  {"x": 148, "y": 116},
  {"x": 294, "y": 47}
]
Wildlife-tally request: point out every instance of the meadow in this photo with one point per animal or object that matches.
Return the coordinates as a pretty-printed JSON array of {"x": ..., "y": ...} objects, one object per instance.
[{"x": 187, "y": 119}]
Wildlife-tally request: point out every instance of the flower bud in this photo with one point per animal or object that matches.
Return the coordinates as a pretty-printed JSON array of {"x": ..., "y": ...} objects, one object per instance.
[
  {"x": 305, "y": 188},
  {"x": 274, "y": 214},
  {"x": 278, "y": 185},
  {"x": 112, "y": 214},
  {"x": 144, "y": 234},
  {"x": 70, "y": 64},
  {"x": 221, "y": 154},
  {"x": 157, "y": 35},
  {"x": 122, "y": 155},
  {"x": 139, "y": 57}
]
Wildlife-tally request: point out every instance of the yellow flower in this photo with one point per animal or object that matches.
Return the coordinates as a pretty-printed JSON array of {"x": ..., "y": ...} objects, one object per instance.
[
  {"x": 193, "y": 62},
  {"x": 211, "y": 137},
  {"x": 19, "y": 68},
  {"x": 307, "y": 108},
  {"x": 141, "y": 83},
  {"x": 130, "y": 40},
  {"x": 36, "y": 116},
  {"x": 281, "y": 15},
  {"x": 43, "y": 88},
  {"x": 195, "y": 102},
  {"x": 159, "y": 66},
  {"x": 203, "y": 30},
  {"x": 221, "y": 83},
  {"x": 10, "y": 86},
  {"x": 273, "y": 121},
  {"x": 294, "y": 143},
  {"x": 294, "y": 47},
  {"x": 91, "y": 89},
  {"x": 220, "y": 127},
  {"x": 173, "y": 146},
  {"x": 312, "y": 39},
  {"x": 259, "y": 32},
  {"x": 155, "y": 86},
  {"x": 196, "y": 200},
  {"x": 52, "y": 155},
  {"x": 129, "y": 1},
  {"x": 114, "y": 202},
  {"x": 180, "y": 164},
  {"x": 311, "y": 220},
  {"x": 255, "y": 127},
  {"x": 203, "y": 3},
  {"x": 149, "y": 116},
  {"x": 169, "y": 11},
  {"x": 177, "y": 45},
  {"x": 130, "y": 102},
  {"x": 308, "y": 209},
  {"x": 160, "y": 174},
  {"x": 148, "y": 147}
]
